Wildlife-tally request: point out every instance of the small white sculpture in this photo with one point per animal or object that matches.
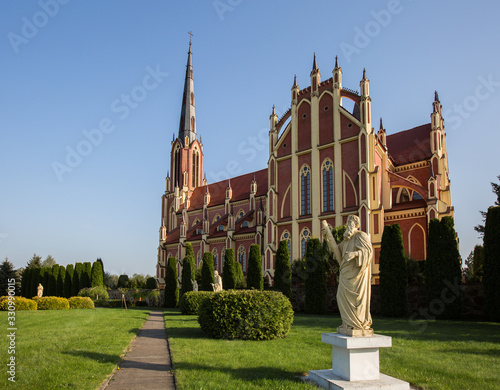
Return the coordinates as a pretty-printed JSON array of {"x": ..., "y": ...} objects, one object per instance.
[
  {"x": 195, "y": 284},
  {"x": 39, "y": 290},
  {"x": 217, "y": 285}
]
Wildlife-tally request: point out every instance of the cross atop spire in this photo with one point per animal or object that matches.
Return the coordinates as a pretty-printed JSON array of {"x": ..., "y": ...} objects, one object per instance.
[{"x": 190, "y": 36}]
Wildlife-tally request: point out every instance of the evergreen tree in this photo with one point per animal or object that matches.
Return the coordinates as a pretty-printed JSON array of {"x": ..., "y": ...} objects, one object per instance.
[
  {"x": 443, "y": 269},
  {"x": 254, "y": 271},
  {"x": 207, "y": 272},
  {"x": 151, "y": 283},
  {"x": 239, "y": 281},
  {"x": 171, "y": 284},
  {"x": 102, "y": 267},
  {"x": 35, "y": 262},
  {"x": 7, "y": 274},
  {"x": 315, "y": 282},
  {"x": 495, "y": 188},
  {"x": 86, "y": 275},
  {"x": 45, "y": 275},
  {"x": 68, "y": 280},
  {"x": 229, "y": 270},
  {"x": 123, "y": 281},
  {"x": 491, "y": 267},
  {"x": 188, "y": 270},
  {"x": 60, "y": 281},
  {"x": 48, "y": 262},
  {"x": 52, "y": 285},
  {"x": 77, "y": 275},
  {"x": 282, "y": 270},
  {"x": 24, "y": 279},
  {"x": 393, "y": 274},
  {"x": 96, "y": 274}
]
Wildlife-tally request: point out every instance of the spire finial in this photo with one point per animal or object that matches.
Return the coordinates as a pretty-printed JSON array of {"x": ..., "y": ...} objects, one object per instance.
[
  {"x": 336, "y": 61},
  {"x": 381, "y": 125},
  {"x": 274, "y": 110},
  {"x": 190, "y": 36},
  {"x": 295, "y": 80},
  {"x": 364, "y": 74},
  {"x": 436, "y": 97},
  {"x": 315, "y": 65}
]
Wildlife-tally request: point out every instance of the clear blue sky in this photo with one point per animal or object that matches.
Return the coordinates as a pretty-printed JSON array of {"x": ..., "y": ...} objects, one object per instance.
[{"x": 67, "y": 65}]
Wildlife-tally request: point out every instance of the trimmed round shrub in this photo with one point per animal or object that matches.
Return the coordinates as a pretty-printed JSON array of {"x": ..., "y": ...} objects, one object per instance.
[
  {"x": 80, "y": 303},
  {"x": 191, "y": 301},
  {"x": 19, "y": 302},
  {"x": 52, "y": 303},
  {"x": 247, "y": 315}
]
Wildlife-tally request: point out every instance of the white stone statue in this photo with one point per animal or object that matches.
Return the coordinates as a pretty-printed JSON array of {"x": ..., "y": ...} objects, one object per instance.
[
  {"x": 217, "y": 285},
  {"x": 354, "y": 255},
  {"x": 194, "y": 284},
  {"x": 39, "y": 290}
]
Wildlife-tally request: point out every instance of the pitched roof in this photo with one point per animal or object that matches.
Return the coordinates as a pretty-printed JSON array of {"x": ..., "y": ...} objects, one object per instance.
[
  {"x": 240, "y": 186},
  {"x": 410, "y": 145}
]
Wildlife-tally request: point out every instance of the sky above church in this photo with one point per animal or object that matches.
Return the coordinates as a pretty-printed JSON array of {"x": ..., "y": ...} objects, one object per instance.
[{"x": 91, "y": 95}]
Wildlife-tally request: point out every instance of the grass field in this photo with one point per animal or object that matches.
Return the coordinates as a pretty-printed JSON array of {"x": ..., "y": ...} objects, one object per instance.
[
  {"x": 78, "y": 349},
  {"x": 428, "y": 354},
  {"x": 67, "y": 349}
]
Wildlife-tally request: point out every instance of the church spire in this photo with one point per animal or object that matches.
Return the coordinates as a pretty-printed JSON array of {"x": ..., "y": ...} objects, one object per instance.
[{"x": 187, "y": 125}]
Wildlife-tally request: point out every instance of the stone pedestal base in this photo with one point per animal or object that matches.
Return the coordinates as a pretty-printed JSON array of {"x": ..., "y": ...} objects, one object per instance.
[
  {"x": 355, "y": 364},
  {"x": 327, "y": 380}
]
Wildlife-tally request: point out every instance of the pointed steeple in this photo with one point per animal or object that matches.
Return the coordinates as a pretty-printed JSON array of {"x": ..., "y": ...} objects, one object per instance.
[
  {"x": 364, "y": 74},
  {"x": 187, "y": 125},
  {"x": 381, "y": 124},
  {"x": 315, "y": 66},
  {"x": 295, "y": 81},
  {"x": 336, "y": 62},
  {"x": 436, "y": 97}
]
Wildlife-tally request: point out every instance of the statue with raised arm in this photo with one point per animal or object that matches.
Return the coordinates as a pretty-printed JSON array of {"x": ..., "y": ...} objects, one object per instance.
[{"x": 354, "y": 255}]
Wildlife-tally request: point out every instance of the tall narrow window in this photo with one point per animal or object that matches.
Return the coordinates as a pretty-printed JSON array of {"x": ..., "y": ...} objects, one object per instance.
[
  {"x": 178, "y": 169},
  {"x": 304, "y": 238},
  {"x": 305, "y": 191},
  {"x": 223, "y": 256},
  {"x": 327, "y": 186},
  {"x": 216, "y": 259},
  {"x": 242, "y": 257}
]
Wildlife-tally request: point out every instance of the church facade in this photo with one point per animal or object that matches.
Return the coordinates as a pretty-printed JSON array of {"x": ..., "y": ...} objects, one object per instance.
[{"x": 325, "y": 163}]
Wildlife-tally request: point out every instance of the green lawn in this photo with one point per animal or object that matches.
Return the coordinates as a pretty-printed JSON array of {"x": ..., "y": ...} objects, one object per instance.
[
  {"x": 68, "y": 349},
  {"x": 428, "y": 354}
]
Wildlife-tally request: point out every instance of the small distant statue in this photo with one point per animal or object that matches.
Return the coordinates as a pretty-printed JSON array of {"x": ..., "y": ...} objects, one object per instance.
[
  {"x": 217, "y": 285},
  {"x": 194, "y": 283},
  {"x": 354, "y": 255},
  {"x": 39, "y": 290}
]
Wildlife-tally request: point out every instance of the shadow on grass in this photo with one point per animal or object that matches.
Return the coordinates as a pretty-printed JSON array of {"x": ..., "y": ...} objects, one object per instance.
[
  {"x": 250, "y": 374},
  {"x": 97, "y": 356}
]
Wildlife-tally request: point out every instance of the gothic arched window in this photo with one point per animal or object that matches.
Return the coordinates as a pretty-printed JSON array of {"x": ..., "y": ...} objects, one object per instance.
[
  {"x": 216, "y": 259},
  {"x": 327, "y": 171},
  {"x": 286, "y": 237},
  {"x": 242, "y": 257},
  {"x": 305, "y": 190},
  {"x": 305, "y": 235}
]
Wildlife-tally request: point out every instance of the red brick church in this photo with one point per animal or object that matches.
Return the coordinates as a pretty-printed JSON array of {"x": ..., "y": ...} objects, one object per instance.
[{"x": 325, "y": 163}]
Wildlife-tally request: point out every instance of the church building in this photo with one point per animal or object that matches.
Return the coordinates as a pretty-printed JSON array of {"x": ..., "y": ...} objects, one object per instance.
[{"x": 325, "y": 163}]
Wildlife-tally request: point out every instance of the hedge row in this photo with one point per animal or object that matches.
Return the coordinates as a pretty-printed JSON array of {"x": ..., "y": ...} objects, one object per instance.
[
  {"x": 19, "y": 302},
  {"x": 247, "y": 315},
  {"x": 191, "y": 301}
]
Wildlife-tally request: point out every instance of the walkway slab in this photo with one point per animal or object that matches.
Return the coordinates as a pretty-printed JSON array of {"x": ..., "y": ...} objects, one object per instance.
[{"x": 147, "y": 364}]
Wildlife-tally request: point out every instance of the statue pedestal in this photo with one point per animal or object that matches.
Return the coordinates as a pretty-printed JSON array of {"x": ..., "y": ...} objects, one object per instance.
[{"x": 355, "y": 364}]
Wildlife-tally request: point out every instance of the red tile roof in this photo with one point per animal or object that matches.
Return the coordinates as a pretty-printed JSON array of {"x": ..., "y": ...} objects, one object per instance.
[
  {"x": 239, "y": 184},
  {"x": 410, "y": 145}
]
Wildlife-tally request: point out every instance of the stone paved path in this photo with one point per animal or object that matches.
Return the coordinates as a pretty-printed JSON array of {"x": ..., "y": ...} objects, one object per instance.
[{"x": 147, "y": 364}]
